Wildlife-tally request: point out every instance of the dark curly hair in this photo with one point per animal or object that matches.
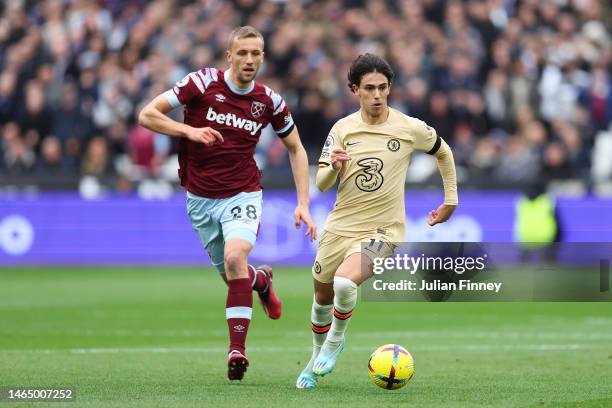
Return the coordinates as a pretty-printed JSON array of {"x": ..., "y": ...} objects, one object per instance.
[{"x": 366, "y": 63}]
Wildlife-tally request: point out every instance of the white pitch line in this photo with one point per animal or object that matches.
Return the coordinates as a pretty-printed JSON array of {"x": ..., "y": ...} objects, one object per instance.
[
  {"x": 204, "y": 350},
  {"x": 406, "y": 334},
  {"x": 510, "y": 334}
]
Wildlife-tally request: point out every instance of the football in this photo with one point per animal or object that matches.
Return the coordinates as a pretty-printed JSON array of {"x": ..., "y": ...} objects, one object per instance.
[{"x": 391, "y": 366}]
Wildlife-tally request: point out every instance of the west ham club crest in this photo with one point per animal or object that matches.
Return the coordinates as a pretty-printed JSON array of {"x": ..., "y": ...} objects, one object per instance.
[{"x": 257, "y": 109}]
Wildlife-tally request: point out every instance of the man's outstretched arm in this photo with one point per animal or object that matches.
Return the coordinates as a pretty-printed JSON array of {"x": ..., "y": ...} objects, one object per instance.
[
  {"x": 299, "y": 167},
  {"x": 153, "y": 117}
]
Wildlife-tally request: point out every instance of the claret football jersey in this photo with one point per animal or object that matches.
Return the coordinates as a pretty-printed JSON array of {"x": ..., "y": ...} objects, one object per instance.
[{"x": 210, "y": 99}]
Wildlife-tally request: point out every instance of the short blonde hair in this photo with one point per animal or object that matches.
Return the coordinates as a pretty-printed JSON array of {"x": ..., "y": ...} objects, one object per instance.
[{"x": 243, "y": 32}]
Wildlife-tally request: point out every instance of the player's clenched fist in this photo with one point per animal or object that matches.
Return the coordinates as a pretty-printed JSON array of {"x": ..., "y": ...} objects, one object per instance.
[
  {"x": 441, "y": 214},
  {"x": 339, "y": 156},
  {"x": 207, "y": 136}
]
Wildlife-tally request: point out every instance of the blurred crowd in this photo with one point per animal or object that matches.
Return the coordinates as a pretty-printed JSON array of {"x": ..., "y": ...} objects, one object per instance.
[{"x": 520, "y": 89}]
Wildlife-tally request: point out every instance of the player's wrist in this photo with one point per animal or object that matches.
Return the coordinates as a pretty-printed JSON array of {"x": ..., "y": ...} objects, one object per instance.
[{"x": 183, "y": 130}]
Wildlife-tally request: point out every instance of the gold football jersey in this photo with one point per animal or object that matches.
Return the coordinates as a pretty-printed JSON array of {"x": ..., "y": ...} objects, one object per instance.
[{"x": 370, "y": 195}]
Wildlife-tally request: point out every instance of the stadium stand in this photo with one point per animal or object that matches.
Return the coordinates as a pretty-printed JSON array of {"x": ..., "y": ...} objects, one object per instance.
[{"x": 520, "y": 89}]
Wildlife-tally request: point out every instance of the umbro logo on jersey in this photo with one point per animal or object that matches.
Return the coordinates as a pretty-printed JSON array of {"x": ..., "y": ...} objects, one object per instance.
[
  {"x": 230, "y": 119},
  {"x": 220, "y": 98}
]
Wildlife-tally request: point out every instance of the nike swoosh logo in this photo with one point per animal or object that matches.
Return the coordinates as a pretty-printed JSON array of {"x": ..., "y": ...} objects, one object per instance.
[{"x": 350, "y": 144}]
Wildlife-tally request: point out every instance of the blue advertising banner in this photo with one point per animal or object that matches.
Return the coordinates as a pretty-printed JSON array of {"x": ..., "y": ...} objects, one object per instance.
[{"x": 64, "y": 229}]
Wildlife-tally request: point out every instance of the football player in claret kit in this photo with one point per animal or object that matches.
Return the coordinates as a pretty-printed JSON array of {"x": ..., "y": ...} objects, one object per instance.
[
  {"x": 225, "y": 112},
  {"x": 369, "y": 151}
]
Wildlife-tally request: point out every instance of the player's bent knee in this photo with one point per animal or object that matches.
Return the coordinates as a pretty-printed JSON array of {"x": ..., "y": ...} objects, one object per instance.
[
  {"x": 235, "y": 264},
  {"x": 344, "y": 288},
  {"x": 233, "y": 259}
]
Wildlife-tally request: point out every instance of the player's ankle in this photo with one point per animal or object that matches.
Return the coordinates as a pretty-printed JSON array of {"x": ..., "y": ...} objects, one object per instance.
[
  {"x": 335, "y": 342},
  {"x": 235, "y": 350},
  {"x": 260, "y": 279}
]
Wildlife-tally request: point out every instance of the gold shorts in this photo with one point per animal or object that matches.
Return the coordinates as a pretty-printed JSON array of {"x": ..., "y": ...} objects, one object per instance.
[{"x": 334, "y": 249}]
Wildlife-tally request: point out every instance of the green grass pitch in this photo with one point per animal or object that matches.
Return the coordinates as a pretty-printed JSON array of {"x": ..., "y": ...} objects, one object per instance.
[{"x": 157, "y": 337}]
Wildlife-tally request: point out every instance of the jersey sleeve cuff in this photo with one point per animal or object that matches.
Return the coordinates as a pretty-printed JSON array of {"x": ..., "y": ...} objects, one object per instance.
[
  {"x": 284, "y": 132},
  {"x": 172, "y": 99},
  {"x": 436, "y": 145}
]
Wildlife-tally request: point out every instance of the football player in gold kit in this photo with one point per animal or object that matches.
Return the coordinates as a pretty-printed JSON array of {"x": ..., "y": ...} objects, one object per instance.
[{"x": 369, "y": 151}]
